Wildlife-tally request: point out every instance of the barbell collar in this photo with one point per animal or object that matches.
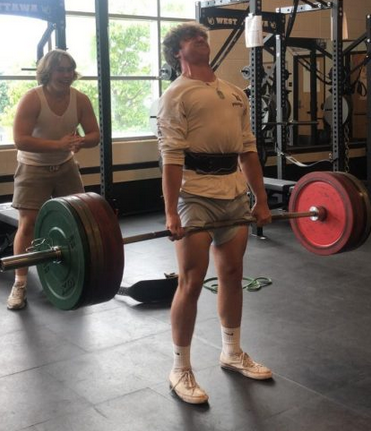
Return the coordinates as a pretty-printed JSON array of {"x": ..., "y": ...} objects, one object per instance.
[{"x": 29, "y": 259}]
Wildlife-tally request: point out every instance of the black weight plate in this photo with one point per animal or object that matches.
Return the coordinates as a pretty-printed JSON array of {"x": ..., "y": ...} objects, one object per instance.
[
  {"x": 112, "y": 245},
  {"x": 96, "y": 261}
]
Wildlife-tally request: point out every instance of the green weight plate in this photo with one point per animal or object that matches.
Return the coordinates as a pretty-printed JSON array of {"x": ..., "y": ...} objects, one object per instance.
[
  {"x": 112, "y": 247},
  {"x": 366, "y": 211},
  {"x": 64, "y": 282},
  {"x": 96, "y": 261},
  {"x": 333, "y": 234}
]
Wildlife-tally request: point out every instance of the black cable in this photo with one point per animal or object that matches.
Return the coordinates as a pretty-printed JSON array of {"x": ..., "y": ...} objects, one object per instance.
[
  {"x": 306, "y": 64},
  {"x": 252, "y": 285},
  {"x": 361, "y": 88}
]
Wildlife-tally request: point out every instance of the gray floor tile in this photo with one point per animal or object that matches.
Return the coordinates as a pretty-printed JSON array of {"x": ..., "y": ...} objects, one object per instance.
[
  {"x": 106, "y": 367},
  {"x": 34, "y": 396}
]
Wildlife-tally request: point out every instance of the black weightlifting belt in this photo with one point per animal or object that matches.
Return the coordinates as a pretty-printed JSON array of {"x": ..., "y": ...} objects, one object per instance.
[{"x": 211, "y": 163}]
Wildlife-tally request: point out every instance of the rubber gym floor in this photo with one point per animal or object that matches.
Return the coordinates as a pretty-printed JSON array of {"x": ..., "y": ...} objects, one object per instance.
[{"x": 105, "y": 367}]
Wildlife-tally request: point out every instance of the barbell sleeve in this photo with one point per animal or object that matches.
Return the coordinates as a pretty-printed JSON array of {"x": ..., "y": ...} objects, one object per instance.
[{"x": 29, "y": 259}]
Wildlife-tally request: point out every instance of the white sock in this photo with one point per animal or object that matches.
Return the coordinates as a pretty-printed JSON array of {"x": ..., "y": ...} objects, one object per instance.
[
  {"x": 182, "y": 358},
  {"x": 20, "y": 279},
  {"x": 231, "y": 341}
]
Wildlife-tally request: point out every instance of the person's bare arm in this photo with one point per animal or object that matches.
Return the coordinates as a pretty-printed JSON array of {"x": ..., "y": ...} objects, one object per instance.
[
  {"x": 171, "y": 183},
  {"x": 251, "y": 168},
  {"x": 88, "y": 122}
]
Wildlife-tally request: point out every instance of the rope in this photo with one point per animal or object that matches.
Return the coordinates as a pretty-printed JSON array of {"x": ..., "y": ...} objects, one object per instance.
[
  {"x": 252, "y": 285},
  {"x": 300, "y": 164}
]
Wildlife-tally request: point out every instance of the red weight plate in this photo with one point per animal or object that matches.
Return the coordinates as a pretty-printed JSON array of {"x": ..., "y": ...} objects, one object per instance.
[
  {"x": 358, "y": 208},
  {"x": 112, "y": 249},
  {"x": 331, "y": 235},
  {"x": 366, "y": 207}
]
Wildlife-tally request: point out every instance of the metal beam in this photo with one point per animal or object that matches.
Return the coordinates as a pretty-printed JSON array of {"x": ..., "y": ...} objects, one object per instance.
[
  {"x": 213, "y": 3},
  {"x": 104, "y": 84},
  {"x": 338, "y": 142},
  {"x": 304, "y": 8},
  {"x": 368, "y": 72}
]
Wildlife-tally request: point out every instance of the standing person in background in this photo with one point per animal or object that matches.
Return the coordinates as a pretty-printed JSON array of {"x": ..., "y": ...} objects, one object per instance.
[
  {"x": 209, "y": 157},
  {"x": 46, "y": 136}
]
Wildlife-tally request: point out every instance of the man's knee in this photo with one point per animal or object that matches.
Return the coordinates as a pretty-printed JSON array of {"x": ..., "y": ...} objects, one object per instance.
[{"x": 191, "y": 287}]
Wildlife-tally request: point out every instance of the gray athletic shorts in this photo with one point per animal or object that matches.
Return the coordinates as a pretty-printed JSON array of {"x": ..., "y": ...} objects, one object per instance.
[
  {"x": 34, "y": 185},
  {"x": 196, "y": 211}
]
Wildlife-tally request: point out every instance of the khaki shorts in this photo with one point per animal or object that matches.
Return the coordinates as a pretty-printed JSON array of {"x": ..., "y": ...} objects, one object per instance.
[
  {"x": 34, "y": 185},
  {"x": 196, "y": 211}
]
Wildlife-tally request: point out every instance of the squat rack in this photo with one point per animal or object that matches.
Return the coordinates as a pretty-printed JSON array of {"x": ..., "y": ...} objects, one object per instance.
[
  {"x": 211, "y": 13},
  {"x": 51, "y": 11}
]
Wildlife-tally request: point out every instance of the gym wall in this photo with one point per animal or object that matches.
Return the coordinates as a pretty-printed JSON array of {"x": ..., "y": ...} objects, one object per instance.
[{"x": 314, "y": 25}]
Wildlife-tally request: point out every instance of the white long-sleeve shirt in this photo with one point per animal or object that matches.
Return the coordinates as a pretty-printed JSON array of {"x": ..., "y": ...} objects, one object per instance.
[{"x": 205, "y": 118}]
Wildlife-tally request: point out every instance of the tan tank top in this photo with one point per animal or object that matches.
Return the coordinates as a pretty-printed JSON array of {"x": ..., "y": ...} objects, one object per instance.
[{"x": 51, "y": 126}]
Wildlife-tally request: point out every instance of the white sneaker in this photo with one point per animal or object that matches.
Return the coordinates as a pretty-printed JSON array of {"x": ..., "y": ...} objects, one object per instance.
[
  {"x": 184, "y": 384},
  {"x": 17, "y": 298},
  {"x": 242, "y": 363}
]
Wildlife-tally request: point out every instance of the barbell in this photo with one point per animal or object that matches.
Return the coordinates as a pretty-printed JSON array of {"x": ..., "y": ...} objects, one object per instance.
[{"x": 79, "y": 250}]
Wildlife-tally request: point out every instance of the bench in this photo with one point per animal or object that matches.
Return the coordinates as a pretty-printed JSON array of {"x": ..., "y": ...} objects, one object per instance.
[
  {"x": 8, "y": 228},
  {"x": 8, "y": 214},
  {"x": 283, "y": 188}
]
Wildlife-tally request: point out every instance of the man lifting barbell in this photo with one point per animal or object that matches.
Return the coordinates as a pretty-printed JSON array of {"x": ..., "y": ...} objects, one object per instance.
[
  {"x": 209, "y": 156},
  {"x": 81, "y": 263}
]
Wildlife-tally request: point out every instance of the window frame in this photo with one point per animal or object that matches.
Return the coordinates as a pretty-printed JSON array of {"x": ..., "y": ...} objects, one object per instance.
[{"x": 158, "y": 21}]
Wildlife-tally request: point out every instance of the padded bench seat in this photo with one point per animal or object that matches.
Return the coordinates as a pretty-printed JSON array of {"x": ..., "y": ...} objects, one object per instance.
[
  {"x": 278, "y": 186},
  {"x": 8, "y": 214},
  {"x": 283, "y": 188}
]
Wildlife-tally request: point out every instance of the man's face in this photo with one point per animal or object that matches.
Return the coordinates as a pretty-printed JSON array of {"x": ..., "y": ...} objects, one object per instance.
[
  {"x": 195, "y": 50},
  {"x": 63, "y": 75}
]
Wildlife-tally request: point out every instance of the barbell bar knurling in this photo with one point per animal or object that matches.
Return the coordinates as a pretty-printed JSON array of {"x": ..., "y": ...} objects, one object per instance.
[{"x": 315, "y": 213}]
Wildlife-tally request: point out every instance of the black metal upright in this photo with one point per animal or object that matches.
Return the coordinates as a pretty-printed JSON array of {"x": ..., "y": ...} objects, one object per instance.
[
  {"x": 256, "y": 62},
  {"x": 313, "y": 96},
  {"x": 368, "y": 71},
  {"x": 60, "y": 30},
  {"x": 104, "y": 83},
  {"x": 281, "y": 99},
  {"x": 256, "y": 79},
  {"x": 294, "y": 135},
  {"x": 338, "y": 143}
]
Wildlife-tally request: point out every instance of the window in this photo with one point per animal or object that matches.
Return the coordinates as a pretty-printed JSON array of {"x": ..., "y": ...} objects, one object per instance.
[{"x": 135, "y": 32}]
